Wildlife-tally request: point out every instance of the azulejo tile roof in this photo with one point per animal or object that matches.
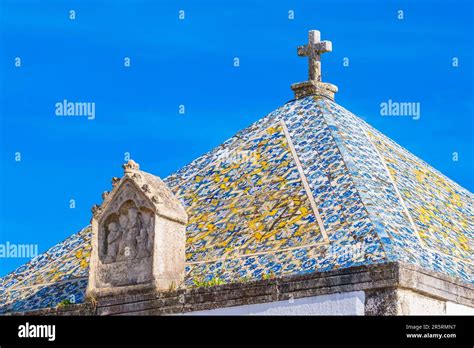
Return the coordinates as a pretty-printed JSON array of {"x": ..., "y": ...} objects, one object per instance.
[{"x": 308, "y": 188}]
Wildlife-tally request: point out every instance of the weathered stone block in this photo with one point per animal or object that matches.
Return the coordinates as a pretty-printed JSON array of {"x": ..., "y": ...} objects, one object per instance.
[{"x": 139, "y": 237}]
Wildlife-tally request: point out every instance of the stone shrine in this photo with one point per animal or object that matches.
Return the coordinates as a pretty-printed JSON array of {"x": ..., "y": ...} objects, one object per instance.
[{"x": 138, "y": 236}]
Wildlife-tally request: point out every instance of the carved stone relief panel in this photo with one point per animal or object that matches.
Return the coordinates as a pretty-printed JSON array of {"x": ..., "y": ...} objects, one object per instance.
[{"x": 126, "y": 234}]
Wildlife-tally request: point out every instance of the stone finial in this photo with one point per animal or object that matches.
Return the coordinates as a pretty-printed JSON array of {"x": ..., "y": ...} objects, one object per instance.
[
  {"x": 96, "y": 209},
  {"x": 115, "y": 181},
  {"x": 130, "y": 167},
  {"x": 314, "y": 86}
]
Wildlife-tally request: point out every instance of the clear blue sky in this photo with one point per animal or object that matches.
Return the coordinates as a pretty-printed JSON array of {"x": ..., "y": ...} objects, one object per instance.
[{"x": 190, "y": 62}]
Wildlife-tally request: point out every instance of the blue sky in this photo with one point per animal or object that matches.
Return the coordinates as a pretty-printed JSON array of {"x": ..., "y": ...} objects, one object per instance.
[{"x": 190, "y": 62}]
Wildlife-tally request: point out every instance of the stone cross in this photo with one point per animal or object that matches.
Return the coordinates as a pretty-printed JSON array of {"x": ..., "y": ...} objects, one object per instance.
[{"x": 313, "y": 51}]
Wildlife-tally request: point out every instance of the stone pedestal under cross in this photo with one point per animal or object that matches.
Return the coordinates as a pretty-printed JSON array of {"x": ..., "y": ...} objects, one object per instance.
[{"x": 314, "y": 86}]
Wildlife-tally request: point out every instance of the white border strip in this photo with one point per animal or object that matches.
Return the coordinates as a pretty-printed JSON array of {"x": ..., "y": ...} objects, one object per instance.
[{"x": 304, "y": 181}]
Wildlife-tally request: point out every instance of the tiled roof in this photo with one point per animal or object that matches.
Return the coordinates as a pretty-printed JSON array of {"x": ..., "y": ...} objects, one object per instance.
[{"x": 308, "y": 188}]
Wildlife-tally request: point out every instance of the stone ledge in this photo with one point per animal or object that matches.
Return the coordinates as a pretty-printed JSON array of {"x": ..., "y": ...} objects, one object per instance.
[
  {"x": 82, "y": 309},
  {"x": 373, "y": 278},
  {"x": 435, "y": 285}
]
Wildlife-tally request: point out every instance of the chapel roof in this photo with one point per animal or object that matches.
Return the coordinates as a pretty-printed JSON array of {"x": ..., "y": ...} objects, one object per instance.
[{"x": 308, "y": 188}]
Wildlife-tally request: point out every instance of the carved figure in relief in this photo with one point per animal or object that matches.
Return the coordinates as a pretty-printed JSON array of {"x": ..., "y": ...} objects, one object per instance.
[
  {"x": 128, "y": 234},
  {"x": 113, "y": 240},
  {"x": 132, "y": 232},
  {"x": 144, "y": 240},
  {"x": 124, "y": 249}
]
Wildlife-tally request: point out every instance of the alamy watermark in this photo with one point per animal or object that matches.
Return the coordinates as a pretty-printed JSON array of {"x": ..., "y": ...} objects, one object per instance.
[
  {"x": 68, "y": 108},
  {"x": 233, "y": 157},
  {"x": 37, "y": 331},
  {"x": 394, "y": 108},
  {"x": 12, "y": 250},
  {"x": 352, "y": 251}
]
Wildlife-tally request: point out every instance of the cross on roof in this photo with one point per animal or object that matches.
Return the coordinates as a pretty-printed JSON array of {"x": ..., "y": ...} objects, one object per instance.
[{"x": 313, "y": 51}]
